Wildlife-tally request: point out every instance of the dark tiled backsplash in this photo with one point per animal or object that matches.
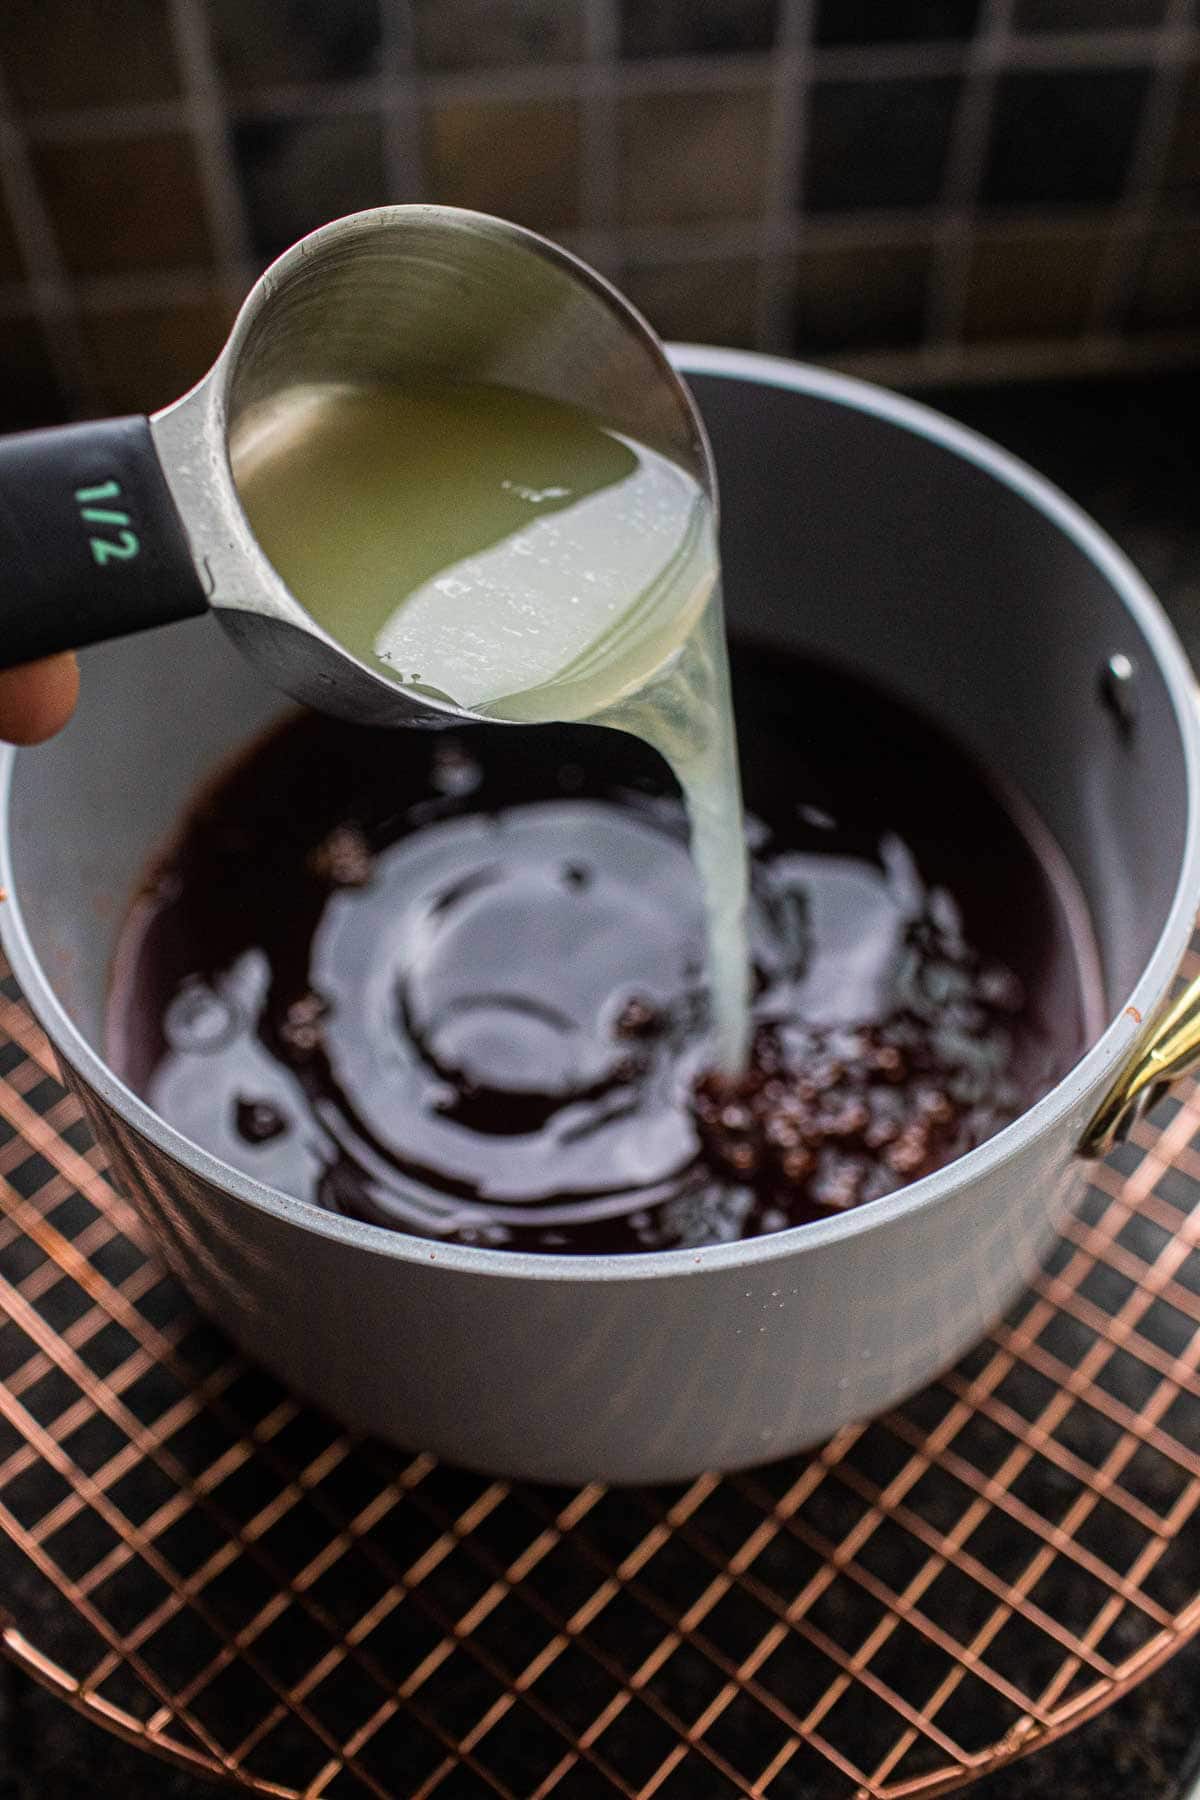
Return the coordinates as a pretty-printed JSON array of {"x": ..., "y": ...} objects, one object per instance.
[
  {"x": 693, "y": 27},
  {"x": 520, "y": 158},
  {"x": 496, "y": 34},
  {"x": 882, "y": 143},
  {"x": 295, "y": 173},
  {"x": 692, "y": 158},
  {"x": 715, "y": 302},
  {"x": 1181, "y": 178},
  {"x": 274, "y": 43},
  {"x": 1169, "y": 276},
  {"x": 1063, "y": 138},
  {"x": 59, "y": 55},
  {"x": 894, "y": 21},
  {"x": 871, "y": 293},
  {"x": 914, "y": 188},
  {"x": 125, "y": 206},
  {"x": 1038, "y": 286},
  {"x": 1087, "y": 15},
  {"x": 142, "y": 354}
]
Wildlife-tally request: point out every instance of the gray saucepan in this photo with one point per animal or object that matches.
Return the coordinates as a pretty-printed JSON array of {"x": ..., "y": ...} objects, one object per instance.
[{"x": 859, "y": 527}]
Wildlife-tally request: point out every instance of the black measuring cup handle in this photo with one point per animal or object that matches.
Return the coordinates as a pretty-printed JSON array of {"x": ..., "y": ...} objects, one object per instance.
[{"x": 91, "y": 545}]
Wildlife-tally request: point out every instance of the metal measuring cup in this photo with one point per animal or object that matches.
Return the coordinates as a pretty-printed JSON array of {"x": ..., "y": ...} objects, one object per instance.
[{"x": 115, "y": 525}]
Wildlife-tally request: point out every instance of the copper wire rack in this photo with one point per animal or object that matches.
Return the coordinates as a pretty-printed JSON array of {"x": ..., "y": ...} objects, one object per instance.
[{"x": 215, "y": 1571}]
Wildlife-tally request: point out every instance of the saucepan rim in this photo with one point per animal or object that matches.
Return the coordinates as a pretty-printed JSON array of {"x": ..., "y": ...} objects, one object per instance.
[{"x": 1061, "y": 1109}]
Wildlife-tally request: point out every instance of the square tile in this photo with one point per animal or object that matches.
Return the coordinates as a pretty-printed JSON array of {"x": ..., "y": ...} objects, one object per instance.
[
  {"x": 12, "y": 267},
  {"x": 59, "y": 54},
  {"x": 136, "y": 204},
  {"x": 29, "y": 390},
  {"x": 697, "y": 302},
  {"x": 259, "y": 43},
  {"x": 693, "y": 156},
  {"x": 1086, "y": 15},
  {"x": 1036, "y": 286},
  {"x": 519, "y": 160},
  {"x": 683, "y": 28},
  {"x": 144, "y": 358},
  {"x": 478, "y": 34},
  {"x": 871, "y": 297},
  {"x": 1168, "y": 290},
  {"x": 297, "y": 174},
  {"x": 880, "y": 143},
  {"x": 1181, "y": 178},
  {"x": 1062, "y": 137},
  {"x": 866, "y": 22}
]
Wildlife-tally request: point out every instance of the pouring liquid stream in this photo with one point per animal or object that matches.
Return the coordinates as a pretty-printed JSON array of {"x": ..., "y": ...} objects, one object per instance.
[{"x": 516, "y": 557}]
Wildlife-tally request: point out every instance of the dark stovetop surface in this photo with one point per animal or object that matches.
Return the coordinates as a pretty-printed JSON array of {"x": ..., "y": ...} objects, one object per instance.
[{"x": 1129, "y": 451}]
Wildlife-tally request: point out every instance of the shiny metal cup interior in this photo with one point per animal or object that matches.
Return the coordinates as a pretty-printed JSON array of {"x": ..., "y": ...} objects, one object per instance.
[
  {"x": 401, "y": 291},
  {"x": 858, "y": 527}
]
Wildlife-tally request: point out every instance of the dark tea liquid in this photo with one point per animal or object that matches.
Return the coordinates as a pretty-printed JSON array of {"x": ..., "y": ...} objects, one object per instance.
[{"x": 454, "y": 983}]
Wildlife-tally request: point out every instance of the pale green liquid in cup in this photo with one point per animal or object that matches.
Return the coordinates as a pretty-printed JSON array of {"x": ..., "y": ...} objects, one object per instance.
[{"x": 516, "y": 557}]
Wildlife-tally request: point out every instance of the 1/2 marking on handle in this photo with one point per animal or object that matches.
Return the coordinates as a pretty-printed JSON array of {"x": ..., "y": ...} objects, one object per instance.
[{"x": 105, "y": 550}]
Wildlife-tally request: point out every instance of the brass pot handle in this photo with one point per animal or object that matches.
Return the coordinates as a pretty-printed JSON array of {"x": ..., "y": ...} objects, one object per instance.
[{"x": 1170, "y": 1049}]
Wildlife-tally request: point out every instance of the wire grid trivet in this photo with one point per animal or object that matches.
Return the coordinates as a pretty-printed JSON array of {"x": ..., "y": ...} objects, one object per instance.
[{"x": 200, "y": 1562}]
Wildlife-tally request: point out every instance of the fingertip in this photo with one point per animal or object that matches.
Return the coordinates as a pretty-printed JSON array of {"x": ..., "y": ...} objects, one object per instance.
[{"x": 38, "y": 699}]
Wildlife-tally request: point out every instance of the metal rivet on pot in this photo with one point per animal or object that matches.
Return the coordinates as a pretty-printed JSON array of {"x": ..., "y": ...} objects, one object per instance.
[{"x": 1118, "y": 692}]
